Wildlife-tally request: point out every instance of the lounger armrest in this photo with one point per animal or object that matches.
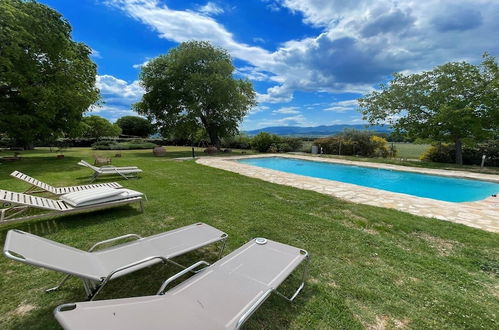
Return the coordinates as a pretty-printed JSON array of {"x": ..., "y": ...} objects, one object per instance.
[
  {"x": 114, "y": 239},
  {"x": 253, "y": 308},
  {"x": 117, "y": 270},
  {"x": 161, "y": 290}
]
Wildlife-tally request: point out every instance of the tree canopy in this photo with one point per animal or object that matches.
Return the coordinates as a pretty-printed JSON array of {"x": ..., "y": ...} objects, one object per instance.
[
  {"x": 191, "y": 87},
  {"x": 97, "y": 127},
  {"x": 47, "y": 80},
  {"x": 454, "y": 102},
  {"x": 136, "y": 126}
]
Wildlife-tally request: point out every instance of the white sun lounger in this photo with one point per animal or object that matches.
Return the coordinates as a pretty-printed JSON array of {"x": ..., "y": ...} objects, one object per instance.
[
  {"x": 15, "y": 204},
  {"x": 39, "y": 186},
  {"x": 221, "y": 296},
  {"x": 125, "y": 172},
  {"x": 96, "y": 268}
]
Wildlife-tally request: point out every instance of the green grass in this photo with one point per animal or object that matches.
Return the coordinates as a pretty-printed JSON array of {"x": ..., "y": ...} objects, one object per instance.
[
  {"x": 370, "y": 267},
  {"x": 410, "y": 150}
]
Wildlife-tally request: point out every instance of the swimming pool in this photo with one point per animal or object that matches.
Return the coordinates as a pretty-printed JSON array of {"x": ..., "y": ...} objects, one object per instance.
[{"x": 416, "y": 184}]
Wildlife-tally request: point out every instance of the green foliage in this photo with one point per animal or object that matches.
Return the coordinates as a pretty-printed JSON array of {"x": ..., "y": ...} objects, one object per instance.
[
  {"x": 472, "y": 155},
  {"x": 237, "y": 142},
  {"x": 114, "y": 145},
  {"x": 266, "y": 142},
  {"x": 98, "y": 127},
  {"x": 47, "y": 80},
  {"x": 263, "y": 141},
  {"x": 135, "y": 126},
  {"x": 355, "y": 142},
  {"x": 192, "y": 87},
  {"x": 452, "y": 103}
]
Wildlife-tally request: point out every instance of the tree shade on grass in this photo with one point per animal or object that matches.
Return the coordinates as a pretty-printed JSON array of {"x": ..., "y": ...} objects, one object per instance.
[{"x": 370, "y": 267}]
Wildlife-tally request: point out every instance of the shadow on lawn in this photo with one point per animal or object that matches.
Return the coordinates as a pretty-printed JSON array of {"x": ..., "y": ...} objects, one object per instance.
[{"x": 49, "y": 226}]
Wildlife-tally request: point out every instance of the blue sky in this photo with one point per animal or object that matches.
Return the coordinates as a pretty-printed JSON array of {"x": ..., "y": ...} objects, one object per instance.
[{"x": 309, "y": 60}]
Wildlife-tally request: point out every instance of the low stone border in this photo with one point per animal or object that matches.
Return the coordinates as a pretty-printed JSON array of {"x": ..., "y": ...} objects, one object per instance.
[{"x": 482, "y": 214}]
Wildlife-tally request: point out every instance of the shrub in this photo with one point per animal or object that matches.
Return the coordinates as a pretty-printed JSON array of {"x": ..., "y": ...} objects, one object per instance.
[
  {"x": 354, "y": 142},
  {"x": 114, "y": 145},
  {"x": 380, "y": 146},
  {"x": 293, "y": 144},
  {"x": 136, "y": 126},
  {"x": 262, "y": 142},
  {"x": 472, "y": 155},
  {"x": 237, "y": 142}
]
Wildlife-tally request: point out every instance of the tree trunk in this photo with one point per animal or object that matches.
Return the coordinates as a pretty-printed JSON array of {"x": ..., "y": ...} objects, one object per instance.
[
  {"x": 459, "y": 151},
  {"x": 214, "y": 139}
]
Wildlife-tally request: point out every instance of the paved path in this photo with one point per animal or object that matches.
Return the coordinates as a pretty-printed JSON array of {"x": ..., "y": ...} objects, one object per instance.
[{"x": 482, "y": 214}]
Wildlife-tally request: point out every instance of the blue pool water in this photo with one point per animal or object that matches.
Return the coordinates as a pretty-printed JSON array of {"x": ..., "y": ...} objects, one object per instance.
[{"x": 422, "y": 185}]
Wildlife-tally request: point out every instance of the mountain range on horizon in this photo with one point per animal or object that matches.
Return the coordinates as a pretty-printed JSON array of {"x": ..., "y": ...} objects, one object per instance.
[{"x": 316, "y": 131}]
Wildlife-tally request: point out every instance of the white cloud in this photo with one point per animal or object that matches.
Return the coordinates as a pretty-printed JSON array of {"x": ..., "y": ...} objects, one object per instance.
[
  {"x": 140, "y": 65},
  {"x": 361, "y": 42},
  {"x": 210, "y": 9},
  {"x": 287, "y": 110},
  {"x": 119, "y": 89},
  {"x": 257, "y": 109},
  {"x": 180, "y": 26},
  {"x": 252, "y": 73},
  {"x": 343, "y": 106},
  {"x": 298, "y": 120},
  {"x": 95, "y": 53}
]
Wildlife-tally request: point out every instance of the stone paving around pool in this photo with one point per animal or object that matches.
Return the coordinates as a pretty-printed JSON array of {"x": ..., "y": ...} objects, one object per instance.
[{"x": 482, "y": 214}]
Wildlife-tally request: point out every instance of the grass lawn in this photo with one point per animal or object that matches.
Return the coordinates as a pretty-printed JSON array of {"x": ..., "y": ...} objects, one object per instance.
[
  {"x": 410, "y": 150},
  {"x": 370, "y": 267}
]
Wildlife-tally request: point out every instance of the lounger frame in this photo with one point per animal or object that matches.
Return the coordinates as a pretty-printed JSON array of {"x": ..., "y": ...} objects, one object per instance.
[
  {"x": 235, "y": 323},
  {"x": 12, "y": 210},
  {"x": 257, "y": 303},
  {"x": 93, "y": 288},
  {"x": 38, "y": 186},
  {"x": 125, "y": 172}
]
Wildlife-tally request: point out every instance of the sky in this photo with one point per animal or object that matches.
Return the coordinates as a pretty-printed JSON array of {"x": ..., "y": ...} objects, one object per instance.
[{"x": 308, "y": 60}]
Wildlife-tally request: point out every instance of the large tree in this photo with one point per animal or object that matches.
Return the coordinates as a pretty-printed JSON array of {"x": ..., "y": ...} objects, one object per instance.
[
  {"x": 136, "y": 126},
  {"x": 454, "y": 102},
  {"x": 47, "y": 80},
  {"x": 97, "y": 127},
  {"x": 192, "y": 86}
]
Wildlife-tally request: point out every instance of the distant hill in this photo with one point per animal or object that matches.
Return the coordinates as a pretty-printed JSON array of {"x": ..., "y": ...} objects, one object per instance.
[{"x": 322, "y": 130}]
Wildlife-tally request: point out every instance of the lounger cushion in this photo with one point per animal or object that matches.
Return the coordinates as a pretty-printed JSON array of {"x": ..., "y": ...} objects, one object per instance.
[{"x": 98, "y": 196}]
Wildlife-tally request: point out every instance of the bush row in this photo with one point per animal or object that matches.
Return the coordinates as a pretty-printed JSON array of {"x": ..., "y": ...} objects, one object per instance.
[
  {"x": 472, "y": 155},
  {"x": 361, "y": 143},
  {"x": 132, "y": 144}
]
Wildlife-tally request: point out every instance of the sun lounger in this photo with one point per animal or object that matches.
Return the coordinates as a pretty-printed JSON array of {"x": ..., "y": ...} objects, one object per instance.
[
  {"x": 96, "y": 268},
  {"x": 39, "y": 187},
  {"x": 126, "y": 172},
  {"x": 221, "y": 296},
  {"x": 15, "y": 204}
]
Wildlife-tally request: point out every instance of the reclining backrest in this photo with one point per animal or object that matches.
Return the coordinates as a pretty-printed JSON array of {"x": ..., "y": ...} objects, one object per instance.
[
  {"x": 33, "y": 201},
  {"x": 86, "y": 164},
  {"x": 33, "y": 181},
  {"x": 38, "y": 251}
]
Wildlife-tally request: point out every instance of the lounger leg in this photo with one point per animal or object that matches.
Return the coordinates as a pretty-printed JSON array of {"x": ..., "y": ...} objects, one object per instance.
[
  {"x": 222, "y": 248},
  {"x": 141, "y": 206},
  {"x": 93, "y": 177},
  {"x": 123, "y": 175},
  {"x": 91, "y": 288},
  {"x": 304, "y": 278},
  {"x": 59, "y": 285}
]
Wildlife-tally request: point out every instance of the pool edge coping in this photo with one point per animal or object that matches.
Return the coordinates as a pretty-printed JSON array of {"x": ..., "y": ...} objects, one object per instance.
[{"x": 483, "y": 214}]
